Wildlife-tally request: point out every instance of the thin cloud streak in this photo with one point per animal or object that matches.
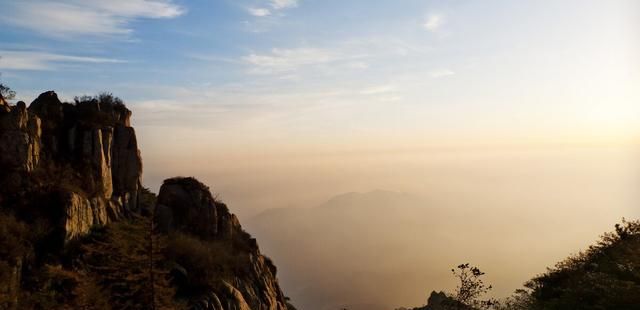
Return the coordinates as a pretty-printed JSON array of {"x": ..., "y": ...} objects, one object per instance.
[
  {"x": 259, "y": 12},
  {"x": 21, "y": 60},
  {"x": 66, "y": 19},
  {"x": 441, "y": 73},
  {"x": 282, "y": 60},
  {"x": 284, "y": 4}
]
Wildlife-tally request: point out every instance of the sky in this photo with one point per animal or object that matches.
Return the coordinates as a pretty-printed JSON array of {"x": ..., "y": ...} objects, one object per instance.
[
  {"x": 287, "y": 103},
  {"x": 411, "y": 72},
  {"x": 232, "y": 81}
]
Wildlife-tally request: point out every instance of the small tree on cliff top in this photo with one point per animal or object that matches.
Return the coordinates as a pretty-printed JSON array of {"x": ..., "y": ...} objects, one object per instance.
[
  {"x": 469, "y": 292},
  {"x": 5, "y": 91}
]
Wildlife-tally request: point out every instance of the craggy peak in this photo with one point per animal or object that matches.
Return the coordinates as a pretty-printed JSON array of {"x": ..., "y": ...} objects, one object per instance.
[{"x": 72, "y": 197}]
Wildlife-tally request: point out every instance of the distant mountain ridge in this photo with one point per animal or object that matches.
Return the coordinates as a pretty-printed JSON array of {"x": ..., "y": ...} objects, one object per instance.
[
  {"x": 342, "y": 235},
  {"x": 374, "y": 199}
]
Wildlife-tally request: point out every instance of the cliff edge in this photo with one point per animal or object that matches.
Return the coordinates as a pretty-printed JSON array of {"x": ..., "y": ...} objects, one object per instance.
[
  {"x": 245, "y": 279},
  {"x": 76, "y": 165},
  {"x": 78, "y": 230}
]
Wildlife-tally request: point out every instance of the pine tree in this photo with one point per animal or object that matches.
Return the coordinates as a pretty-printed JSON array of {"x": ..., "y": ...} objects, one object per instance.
[{"x": 128, "y": 263}]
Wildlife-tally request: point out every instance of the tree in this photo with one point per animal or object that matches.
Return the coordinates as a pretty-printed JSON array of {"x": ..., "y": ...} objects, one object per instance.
[
  {"x": 470, "y": 290},
  {"x": 605, "y": 276},
  {"x": 127, "y": 260},
  {"x": 6, "y": 92}
]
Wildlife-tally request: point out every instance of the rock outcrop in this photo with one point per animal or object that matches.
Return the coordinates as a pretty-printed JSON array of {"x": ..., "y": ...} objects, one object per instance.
[
  {"x": 186, "y": 205},
  {"x": 79, "y": 159},
  {"x": 66, "y": 168},
  {"x": 440, "y": 301}
]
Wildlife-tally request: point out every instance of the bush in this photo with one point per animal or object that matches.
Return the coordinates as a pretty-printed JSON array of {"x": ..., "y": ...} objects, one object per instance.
[
  {"x": 15, "y": 237},
  {"x": 104, "y": 109},
  {"x": 605, "y": 276},
  {"x": 126, "y": 259},
  {"x": 205, "y": 262},
  {"x": 6, "y": 92}
]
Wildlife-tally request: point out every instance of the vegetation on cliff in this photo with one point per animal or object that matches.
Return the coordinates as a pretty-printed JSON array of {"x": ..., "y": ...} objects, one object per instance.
[{"x": 605, "y": 276}]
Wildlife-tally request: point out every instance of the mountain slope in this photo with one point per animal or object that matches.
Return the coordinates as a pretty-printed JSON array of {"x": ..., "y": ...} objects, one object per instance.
[{"x": 78, "y": 231}]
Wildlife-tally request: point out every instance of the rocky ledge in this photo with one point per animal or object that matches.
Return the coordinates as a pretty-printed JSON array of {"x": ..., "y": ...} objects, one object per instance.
[
  {"x": 185, "y": 205},
  {"x": 77, "y": 162}
]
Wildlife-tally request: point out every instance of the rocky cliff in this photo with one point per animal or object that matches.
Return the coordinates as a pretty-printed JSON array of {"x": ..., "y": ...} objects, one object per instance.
[
  {"x": 77, "y": 229},
  {"x": 186, "y": 206},
  {"x": 81, "y": 160}
]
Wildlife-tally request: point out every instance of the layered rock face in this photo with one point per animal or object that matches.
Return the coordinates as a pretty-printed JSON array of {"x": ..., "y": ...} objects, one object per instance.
[
  {"x": 78, "y": 165},
  {"x": 185, "y": 205}
]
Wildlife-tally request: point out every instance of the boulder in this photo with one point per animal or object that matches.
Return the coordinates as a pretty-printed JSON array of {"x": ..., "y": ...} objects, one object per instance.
[{"x": 186, "y": 205}]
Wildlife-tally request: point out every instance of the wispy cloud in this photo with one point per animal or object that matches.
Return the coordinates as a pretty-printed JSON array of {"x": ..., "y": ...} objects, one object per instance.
[
  {"x": 259, "y": 12},
  {"x": 284, "y": 4},
  {"x": 381, "y": 89},
  {"x": 359, "y": 65},
  {"x": 434, "y": 22},
  {"x": 272, "y": 8},
  {"x": 70, "y": 18},
  {"x": 441, "y": 73},
  {"x": 20, "y": 60},
  {"x": 283, "y": 60}
]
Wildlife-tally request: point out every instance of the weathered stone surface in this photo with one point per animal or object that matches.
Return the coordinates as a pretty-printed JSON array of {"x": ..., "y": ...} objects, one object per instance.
[
  {"x": 86, "y": 149},
  {"x": 19, "y": 139},
  {"x": 233, "y": 297},
  {"x": 82, "y": 213},
  {"x": 126, "y": 165},
  {"x": 186, "y": 205},
  {"x": 79, "y": 216}
]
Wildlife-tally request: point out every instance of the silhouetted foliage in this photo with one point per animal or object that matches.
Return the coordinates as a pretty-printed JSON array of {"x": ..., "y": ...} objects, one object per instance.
[
  {"x": 15, "y": 244},
  {"x": 147, "y": 200},
  {"x": 45, "y": 284},
  {"x": 15, "y": 236},
  {"x": 520, "y": 300},
  {"x": 102, "y": 109},
  {"x": 103, "y": 99},
  {"x": 605, "y": 276},
  {"x": 468, "y": 294},
  {"x": 202, "y": 263},
  {"x": 6, "y": 92},
  {"x": 471, "y": 288}
]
